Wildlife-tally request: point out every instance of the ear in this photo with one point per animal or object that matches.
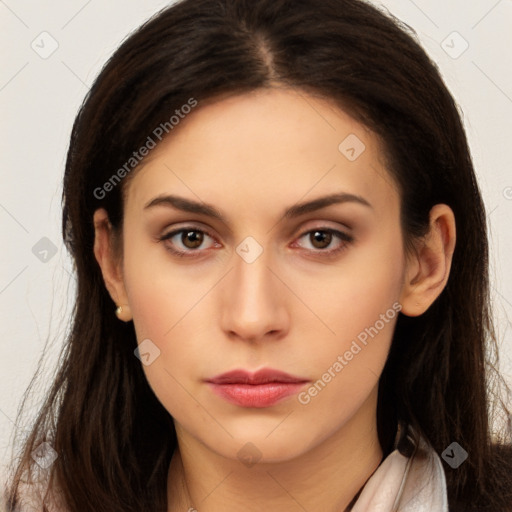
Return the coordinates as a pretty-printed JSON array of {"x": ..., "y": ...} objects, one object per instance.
[
  {"x": 429, "y": 266},
  {"x": 110, "y": 263}
]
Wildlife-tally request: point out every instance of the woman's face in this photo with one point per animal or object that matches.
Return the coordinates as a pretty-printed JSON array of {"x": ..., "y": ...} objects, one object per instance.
[{"x": 281, "y": 279}]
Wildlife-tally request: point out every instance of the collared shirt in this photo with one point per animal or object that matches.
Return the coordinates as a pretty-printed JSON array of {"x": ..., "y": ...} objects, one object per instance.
[{"x": 406, "y": 484}]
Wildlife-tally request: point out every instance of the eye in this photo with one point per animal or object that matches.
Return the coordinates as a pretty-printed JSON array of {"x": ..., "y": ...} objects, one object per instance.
[
  {"x": 188, "y": 240},
  {"x": 321, "y": 238}
]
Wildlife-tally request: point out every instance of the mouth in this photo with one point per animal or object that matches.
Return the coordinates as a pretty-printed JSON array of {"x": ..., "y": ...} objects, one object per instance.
[{"x": 263, "y": 388}]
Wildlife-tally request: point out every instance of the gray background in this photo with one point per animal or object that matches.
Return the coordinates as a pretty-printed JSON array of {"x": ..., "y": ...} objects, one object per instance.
[{"x": 40, "y": 95}]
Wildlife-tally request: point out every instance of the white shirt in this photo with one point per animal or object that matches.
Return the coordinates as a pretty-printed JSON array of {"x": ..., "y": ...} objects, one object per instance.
[{"x": 402, "y": 484}]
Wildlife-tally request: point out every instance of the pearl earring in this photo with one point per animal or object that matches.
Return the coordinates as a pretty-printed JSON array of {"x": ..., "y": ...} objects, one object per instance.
[{"x": 124, "y": 313}]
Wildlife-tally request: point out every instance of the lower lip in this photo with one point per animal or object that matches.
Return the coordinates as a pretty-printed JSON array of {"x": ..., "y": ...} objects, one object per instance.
[{"x": 260, "y": 395}]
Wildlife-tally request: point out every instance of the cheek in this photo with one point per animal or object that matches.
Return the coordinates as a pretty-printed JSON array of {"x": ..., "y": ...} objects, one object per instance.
[
  {"x": 361, "y": 306},
  {"x": 345, "y": 368},
  {"x": 162, "y": 317},
  {"x": 167, "y": 310},
  {"x": 159, "y": 291},
  {"x": 364, "y": 290}
]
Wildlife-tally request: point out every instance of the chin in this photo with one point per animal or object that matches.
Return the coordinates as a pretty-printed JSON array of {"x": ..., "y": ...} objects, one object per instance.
[{"x": 256, "y": 446}]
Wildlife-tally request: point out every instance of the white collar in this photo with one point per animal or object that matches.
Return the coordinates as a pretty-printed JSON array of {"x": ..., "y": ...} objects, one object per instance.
[{"x": 403, "y": 484}]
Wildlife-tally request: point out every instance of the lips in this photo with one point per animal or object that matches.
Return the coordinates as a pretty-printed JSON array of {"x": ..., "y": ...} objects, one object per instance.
[{"x": 263, "y": 388}]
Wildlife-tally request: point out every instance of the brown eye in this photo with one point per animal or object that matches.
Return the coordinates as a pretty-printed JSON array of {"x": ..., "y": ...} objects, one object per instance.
[
  {"x": 194, "y": 238},
  {"x": 187, "y": 241},
  {"x": 320, "y": 239}
]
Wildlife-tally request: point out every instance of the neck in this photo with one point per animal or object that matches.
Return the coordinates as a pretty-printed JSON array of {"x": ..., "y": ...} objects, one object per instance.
[{"x": 326, "y": 477}]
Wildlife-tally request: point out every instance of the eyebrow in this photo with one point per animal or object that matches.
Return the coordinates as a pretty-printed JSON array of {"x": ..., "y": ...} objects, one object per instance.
[{"x": 188, "y": 205}]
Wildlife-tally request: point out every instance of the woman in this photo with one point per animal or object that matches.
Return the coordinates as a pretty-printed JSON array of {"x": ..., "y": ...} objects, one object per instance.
[{"x": 278, "y": 202}]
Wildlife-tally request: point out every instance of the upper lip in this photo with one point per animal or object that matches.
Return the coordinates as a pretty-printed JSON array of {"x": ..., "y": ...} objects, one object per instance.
[{"x": 262, "y": 376}]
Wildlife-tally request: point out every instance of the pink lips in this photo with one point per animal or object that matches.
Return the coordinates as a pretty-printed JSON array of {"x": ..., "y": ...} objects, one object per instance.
[{"x": 264, "y": 388}]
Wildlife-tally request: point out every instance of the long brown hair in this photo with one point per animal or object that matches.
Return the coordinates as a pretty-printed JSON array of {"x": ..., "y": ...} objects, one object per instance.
[{"x": 113, "y": 438}]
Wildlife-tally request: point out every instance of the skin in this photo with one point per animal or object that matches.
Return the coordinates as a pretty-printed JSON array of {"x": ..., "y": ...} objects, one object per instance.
[{"x": 294, "y": 308}]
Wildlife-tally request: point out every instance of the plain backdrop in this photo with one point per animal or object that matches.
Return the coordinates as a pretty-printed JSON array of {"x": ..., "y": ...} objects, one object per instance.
[{"x": 54, "y": 49}]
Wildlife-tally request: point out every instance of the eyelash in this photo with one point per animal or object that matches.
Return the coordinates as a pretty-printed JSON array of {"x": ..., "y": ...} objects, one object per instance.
[{"x": 347, "y": 239}]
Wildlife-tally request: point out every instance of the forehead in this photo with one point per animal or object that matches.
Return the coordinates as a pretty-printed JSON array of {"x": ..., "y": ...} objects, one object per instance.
[{"x": 277, "y": 145}]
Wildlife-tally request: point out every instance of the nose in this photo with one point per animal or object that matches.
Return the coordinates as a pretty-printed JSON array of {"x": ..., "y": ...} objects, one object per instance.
[{"x": 254, "y": 302}]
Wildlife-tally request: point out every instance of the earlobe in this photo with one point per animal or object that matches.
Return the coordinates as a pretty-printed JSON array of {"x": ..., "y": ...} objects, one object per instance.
[
  {"x": 429, "y": 268},
  {"x": 109, "y": 263}
]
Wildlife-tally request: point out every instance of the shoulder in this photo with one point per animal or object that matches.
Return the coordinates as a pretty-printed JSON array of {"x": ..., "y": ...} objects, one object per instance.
[
  {"x": 424, "y": 485},
  {"x": 406, "y": 484}
]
